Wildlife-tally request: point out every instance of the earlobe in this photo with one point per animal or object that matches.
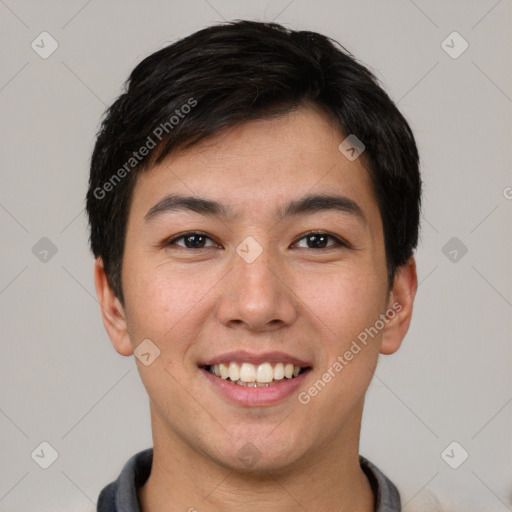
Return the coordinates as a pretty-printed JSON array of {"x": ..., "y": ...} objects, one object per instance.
[
  {"x": 112, "y": 311},
  {"x": 400, "y": 307}
]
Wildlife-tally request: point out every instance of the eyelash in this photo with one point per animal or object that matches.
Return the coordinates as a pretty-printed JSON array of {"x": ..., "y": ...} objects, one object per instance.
[{"x": 338, "y": 241}]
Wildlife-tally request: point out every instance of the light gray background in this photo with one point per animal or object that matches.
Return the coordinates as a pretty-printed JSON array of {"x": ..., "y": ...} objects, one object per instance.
[{"x": 61, "y": 380}]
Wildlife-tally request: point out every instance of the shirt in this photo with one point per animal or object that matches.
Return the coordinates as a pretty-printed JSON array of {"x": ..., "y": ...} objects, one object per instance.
[{"x": 121, "y": 495}]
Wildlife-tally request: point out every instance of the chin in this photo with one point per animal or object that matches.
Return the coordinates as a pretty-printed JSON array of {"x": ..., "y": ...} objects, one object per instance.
[{"x": 260, "y": 454}]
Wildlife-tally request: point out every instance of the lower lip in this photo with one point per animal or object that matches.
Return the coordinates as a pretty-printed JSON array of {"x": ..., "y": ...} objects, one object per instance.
[{"x": 255, "y": 396}]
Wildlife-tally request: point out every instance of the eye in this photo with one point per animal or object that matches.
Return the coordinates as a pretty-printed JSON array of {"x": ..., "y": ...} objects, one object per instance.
[
  {"x": 192, "y": 240},
  {"x": 319, "y": 241}
]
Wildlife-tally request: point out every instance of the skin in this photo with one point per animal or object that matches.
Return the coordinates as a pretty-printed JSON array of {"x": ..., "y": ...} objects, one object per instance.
[{"x": 309, "y": 302}]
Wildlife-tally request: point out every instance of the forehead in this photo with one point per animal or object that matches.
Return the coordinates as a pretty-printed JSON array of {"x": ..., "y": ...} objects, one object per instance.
[{"x": 260, "y": 165}]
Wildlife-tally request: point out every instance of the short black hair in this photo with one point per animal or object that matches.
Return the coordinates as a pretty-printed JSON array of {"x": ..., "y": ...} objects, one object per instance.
[{"x": 234, "y": 72}]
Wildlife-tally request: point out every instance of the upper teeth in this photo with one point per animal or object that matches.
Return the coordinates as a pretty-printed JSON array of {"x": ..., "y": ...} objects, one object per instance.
[{"x": 247, "y": 372}]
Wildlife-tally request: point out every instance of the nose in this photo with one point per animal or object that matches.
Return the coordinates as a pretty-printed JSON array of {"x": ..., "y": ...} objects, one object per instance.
[{"x": 257, "y": 296}]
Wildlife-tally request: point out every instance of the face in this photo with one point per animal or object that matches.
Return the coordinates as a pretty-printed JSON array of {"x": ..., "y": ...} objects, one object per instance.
[{"x": 253, "y": 256}]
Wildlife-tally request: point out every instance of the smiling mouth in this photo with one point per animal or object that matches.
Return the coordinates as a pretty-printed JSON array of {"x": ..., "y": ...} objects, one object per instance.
[{"x": 256, "y": 376}]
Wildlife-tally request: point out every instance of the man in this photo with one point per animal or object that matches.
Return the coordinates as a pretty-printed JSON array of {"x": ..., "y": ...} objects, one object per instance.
[{"x": 254, "y": 205}]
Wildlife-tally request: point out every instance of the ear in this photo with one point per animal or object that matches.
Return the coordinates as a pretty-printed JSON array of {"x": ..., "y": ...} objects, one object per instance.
[
  {"x": 112, "y": 312},
  {"x": 399, "y": 312}
]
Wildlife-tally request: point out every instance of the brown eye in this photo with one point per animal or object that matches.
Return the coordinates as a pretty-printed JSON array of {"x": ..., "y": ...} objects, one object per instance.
[
  {"x": 318, "y": 241},
  {"x": 192, "y": 241}
]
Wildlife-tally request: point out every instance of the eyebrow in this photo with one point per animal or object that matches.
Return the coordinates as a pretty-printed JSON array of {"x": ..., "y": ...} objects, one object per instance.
[
  {"x": 321, "y": 202},
  {"x": 306, "y": 205},
  {"x": 173, "y": 203}
]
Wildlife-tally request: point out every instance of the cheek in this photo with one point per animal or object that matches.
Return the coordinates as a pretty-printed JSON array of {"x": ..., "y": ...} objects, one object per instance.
[
  {"x": 345, "y": 303},
  {"x": 347, "y": 309},
  {"x": 349, "y": 306},
  {"x": 164, "y": 305}
]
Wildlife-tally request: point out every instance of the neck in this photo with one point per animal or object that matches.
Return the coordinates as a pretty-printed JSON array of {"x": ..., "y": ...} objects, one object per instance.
[{"x": 184, "y": 480}]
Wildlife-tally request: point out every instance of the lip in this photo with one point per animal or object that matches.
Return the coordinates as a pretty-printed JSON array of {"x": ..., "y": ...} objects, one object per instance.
[
  {"x": 256, "y": 359},
  {"x": 254, "y": 397}
]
